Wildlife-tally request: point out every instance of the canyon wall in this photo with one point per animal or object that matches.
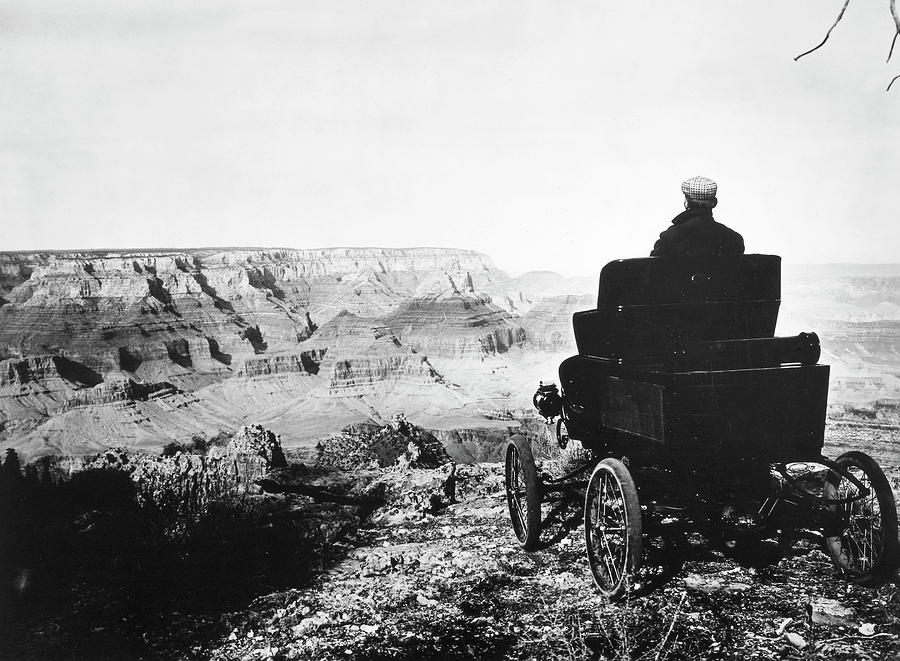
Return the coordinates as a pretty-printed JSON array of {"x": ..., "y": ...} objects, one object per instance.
[
  {"x": 345, "y": 332},
  {"x": 101, "y": 348}
]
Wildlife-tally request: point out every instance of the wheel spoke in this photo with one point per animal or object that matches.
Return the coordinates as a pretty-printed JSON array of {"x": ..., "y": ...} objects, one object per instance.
[
  {"x": 860, "y": 536},
  {"x": 608, "y": 528},
  {"x": 612, "y": 529},
  {"x": 609, "y": 562},
  {"x": 518, "y": 492},
  {"x": 603, "y": 549},
  {"x": 519, "y": 513},
  {"x": 523, "y": 492},
  {"x": 864, "y": 548}
]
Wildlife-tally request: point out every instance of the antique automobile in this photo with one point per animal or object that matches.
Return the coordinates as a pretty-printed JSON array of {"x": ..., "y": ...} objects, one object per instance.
[{"x": 690, "y": 409}]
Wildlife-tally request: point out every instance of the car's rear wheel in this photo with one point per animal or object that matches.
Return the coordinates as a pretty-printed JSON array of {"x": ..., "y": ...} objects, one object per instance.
[
  {"x": 612, "y": 527},
  {"x": 862, "y": 540}
]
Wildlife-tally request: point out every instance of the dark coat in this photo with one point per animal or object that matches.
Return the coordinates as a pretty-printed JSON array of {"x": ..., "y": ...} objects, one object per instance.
[{"x": 693, "y": 233}]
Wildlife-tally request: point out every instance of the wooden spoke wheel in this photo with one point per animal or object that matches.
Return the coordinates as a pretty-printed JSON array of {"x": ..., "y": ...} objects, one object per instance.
[
  {"x": 612, "y": 527},
  {"x": 523, "y": 492},
  {"x": 864, "y": 543}
]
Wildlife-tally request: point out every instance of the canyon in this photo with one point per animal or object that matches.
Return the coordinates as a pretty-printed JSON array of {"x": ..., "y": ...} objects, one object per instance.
[{"x": 139, "y": 348}]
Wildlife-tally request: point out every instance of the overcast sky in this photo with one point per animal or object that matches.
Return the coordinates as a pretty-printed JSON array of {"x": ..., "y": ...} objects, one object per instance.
[{"x": 549, "y": 135}]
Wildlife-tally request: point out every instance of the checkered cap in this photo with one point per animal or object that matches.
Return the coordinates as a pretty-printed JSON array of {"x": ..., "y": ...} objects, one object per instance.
[{"x": 699, "y": 188}]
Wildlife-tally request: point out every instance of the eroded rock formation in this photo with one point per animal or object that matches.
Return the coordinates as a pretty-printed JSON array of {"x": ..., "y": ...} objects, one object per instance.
[
  {"x": 219, "y": 336},
  {"x": 458, "y": 324},
  {"x": 146, "y": 347}
]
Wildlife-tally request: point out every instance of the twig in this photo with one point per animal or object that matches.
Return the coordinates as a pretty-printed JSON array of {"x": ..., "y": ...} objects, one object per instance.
[
  {"x": 827, "y": 34},
  {"x": 892, "y": 82},
  {"x": 895, "y": 15},
  {"x": 896, "y": 28},
  {"x": 839, "y": 638},
  {"x": 662, "y": 644},
  {"x": 318, "y": 493},
  {"x": 784, "y": 625}
]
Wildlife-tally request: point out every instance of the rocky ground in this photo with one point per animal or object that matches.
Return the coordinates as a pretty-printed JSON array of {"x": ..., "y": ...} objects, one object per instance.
[
  {"x": 388, "y": 570},
  {"x": 454, "y": 584}
]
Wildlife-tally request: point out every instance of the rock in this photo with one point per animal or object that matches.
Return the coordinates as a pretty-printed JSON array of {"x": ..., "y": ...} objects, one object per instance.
[
  {"x": 783, "y": 625},
  {"x": 257, "y": 441},
  {"x": 400, "y": 444},
  {"x": 377, "y": 564},
  {"x": 254, "y": 323},
  {"x": 867, "y": 629},
  {"x": 432, "y": 557},
  {"x": 713, "y": 584},
  {"x": 310, "y": 623},
  {"x": 830, "y": 612},
  {"x": 796, "y": 640},
  {"x": 566, "y": 579},
  {"x": 456, "y": 325}
]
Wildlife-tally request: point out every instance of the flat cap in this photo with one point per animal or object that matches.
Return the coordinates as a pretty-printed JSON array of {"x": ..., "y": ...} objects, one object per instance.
[{"x": 699, "y": 188}]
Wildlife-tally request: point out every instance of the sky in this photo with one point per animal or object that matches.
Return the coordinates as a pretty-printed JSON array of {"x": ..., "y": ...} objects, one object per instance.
[{"x": 548, "y": 135}]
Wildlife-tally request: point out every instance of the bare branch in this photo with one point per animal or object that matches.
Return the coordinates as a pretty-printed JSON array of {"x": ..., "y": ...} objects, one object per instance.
[
  {"x": 896, "y": 27},
  {"x": 317, "y": 493},
  {"x": 828, "y": 34},
  {"x": 891, "y": 83}
]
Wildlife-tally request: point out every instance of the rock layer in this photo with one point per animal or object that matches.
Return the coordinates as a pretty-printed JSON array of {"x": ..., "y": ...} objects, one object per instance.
[
  {"x": 456, "y": 325},
  {"x": 223, "y": 335},
  {"x": 146, "y": 347}
]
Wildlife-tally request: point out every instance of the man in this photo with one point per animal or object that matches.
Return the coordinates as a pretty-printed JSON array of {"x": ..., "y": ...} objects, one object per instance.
[{"x": 693, "y": 231}]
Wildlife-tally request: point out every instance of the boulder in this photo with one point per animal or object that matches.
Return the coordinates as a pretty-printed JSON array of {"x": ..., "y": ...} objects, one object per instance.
[
  {"x": 831, "y": 612},
  {"x": 257, "y": 441}
]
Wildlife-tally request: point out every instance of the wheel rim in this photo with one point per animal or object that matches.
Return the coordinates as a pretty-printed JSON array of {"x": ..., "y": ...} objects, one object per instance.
[
  {"x": 516, "y": 494},
  {"x": 862, "y": 541},
  {"x": 607, "y": 527}
]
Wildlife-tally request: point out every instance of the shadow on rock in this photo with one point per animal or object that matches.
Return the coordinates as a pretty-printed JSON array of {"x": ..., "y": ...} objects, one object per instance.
[{"x": 89, "y": 572}]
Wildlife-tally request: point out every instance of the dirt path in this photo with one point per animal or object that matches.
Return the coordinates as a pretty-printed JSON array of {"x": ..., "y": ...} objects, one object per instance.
[{"x": 456, "y": 585}]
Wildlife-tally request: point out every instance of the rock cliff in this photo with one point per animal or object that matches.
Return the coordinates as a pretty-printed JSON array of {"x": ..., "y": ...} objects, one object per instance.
[
  {"x": 548, "y": 324},
  {"x": 458, "y": 324},
  {"x": 240, "y": 333},
  {"x": 35, "y": 388},
  {"x": 147, "y": 346},
  {"x": 303, "y": 362}
]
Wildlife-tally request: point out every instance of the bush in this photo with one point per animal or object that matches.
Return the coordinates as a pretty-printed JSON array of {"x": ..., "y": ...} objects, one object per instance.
[
  {"x": 176, "y": 491},
  {"x": 556, "y": 460},
  {"x": 173, "y": 448},
  {"x": 199, "y": 444},
  {"x": 103, "y": 489}
]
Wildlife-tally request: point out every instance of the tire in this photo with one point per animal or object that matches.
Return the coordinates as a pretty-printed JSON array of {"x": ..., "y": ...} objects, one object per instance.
[
  {"x": 863, "y": 542},
  {"x": 523, "y": 492},
  {"x": 612, "y": 528}
]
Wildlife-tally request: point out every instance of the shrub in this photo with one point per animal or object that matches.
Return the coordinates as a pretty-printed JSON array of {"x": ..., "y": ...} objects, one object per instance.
[{"x": 173, "y": 448}]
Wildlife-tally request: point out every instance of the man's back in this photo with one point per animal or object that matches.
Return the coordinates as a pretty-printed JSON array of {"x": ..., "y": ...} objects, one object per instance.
[{"x": 694, "y": 233}]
